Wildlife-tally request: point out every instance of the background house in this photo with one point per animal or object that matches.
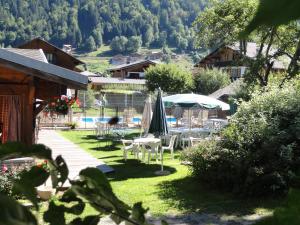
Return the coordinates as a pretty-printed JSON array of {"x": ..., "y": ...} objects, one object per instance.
[
  {"x": 53, "y": 54},
  {"x": 229, "y": 59},
  {"x": 135, "y": 70}
]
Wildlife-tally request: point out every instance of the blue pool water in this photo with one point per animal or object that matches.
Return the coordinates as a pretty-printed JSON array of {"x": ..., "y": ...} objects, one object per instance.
[{"x": 106, "y": 119}]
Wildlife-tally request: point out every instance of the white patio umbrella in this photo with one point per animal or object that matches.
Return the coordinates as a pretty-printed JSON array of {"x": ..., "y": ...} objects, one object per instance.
[
  {"x": 194, "y": 100},
  {"x": 191, "y": 100},
  {"x": 147, "y": 115}
]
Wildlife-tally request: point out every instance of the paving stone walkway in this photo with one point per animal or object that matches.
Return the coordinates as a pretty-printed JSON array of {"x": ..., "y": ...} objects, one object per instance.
[
  {"x": 199, "y": 219},
  {"x": 76, "y": 158}
]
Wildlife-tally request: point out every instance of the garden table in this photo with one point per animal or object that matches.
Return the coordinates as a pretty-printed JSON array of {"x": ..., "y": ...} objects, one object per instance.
[{"x": 154, "y": 143}]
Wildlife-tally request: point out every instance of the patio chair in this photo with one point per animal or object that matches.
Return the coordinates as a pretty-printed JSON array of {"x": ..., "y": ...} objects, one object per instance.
[
  {"x": 153, "y": 149},
  {"x": 185, "y": 139},
  {"x": 171, "y": 146},
  {"x": 195, "y": 141},
  {"x": 128, "y": 146}
]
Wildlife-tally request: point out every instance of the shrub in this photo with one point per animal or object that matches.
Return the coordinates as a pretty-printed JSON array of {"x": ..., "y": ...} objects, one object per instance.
[
  {"x": 208, "y": 81},
  {"x": 169, "y": 77},
  {"x": 7, "y": 177},
  {"x": 260, "y": 153}
]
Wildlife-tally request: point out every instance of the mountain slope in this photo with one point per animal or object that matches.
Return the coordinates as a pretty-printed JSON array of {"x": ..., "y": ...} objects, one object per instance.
[{"x": 157, "y": 22}]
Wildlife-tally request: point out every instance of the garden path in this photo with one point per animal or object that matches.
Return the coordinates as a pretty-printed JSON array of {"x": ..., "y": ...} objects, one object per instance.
[{"x": 75, "y": 157}]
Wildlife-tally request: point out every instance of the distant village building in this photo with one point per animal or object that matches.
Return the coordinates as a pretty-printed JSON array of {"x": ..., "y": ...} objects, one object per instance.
[
  {"x": 118, "y": 60},
  {"x": 135, "y": 70},
  {"x": 121, "y": 59},
  {"x": 54, "y": 55},
  {"x": 227, "y": 58},
  {"x": 155, "y": 56},
  {"x": 117, "y": 84}
]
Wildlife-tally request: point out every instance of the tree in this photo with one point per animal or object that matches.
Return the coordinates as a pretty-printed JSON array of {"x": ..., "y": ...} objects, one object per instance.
[
  {"x": 274, "y": 13},
  {"x": 90, "y": 44},
  {"x": 169, "y": 77},
  {"x": 134, "y": 44},
  {"x": 208, "y": 81},
  {"x": 97, "y": 34},
  {"x": 223, "y": 22},
  {"x": 118, "y": 44}
]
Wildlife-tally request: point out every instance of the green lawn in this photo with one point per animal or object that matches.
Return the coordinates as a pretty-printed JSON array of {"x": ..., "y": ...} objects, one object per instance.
[{"x": 176, "y": 193}]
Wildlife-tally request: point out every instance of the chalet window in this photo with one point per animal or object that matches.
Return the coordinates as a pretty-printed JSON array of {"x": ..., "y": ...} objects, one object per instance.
[
  {"x": 51, "y": 58},
  {"x": 135, "y": 75}
]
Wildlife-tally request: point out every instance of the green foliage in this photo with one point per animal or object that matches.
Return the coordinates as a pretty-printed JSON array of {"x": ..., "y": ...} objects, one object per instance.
[
  {"x": 134, "y": 44},
  {"x": 274, "y": 13},
  {"x": 223, "y": 22},
  {"x": 288, "y": 214},
  {"x": 92, "y": 187},
  {"x": 121, "y": 44},
  {"x": 208, "y": 81},
  {"x": 90, "y": 44},
  {"x": 7, "y": 177},
  {"x": 12, "y": 213},
  {"x": 259, "y": 154},
  {"x": 169, "y": 77},
  {"x": 74, "y": 22}
]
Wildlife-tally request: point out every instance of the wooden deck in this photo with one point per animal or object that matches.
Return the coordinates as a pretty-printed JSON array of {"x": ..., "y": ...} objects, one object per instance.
[{"x": 76, "y": 158}]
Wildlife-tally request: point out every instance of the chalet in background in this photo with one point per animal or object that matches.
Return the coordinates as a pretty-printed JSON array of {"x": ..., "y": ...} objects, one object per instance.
[
  {"x": 228, "y": 58},
  {"x": 54, "y": 55},
  {"x": 135, "y": 70}
]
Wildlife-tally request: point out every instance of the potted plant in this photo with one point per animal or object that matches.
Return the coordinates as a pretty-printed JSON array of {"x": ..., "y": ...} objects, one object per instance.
[{"x": 60, "y": 105}]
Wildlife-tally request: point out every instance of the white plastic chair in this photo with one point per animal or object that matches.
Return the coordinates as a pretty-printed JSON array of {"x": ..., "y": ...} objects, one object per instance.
[
  {"x": 194, "y": 141},
  {"x": 171, "y": 146},
  {"x": 152, "y": 150},
  {"x": 128, "y": 145},
  {"x": 185, "y": 139}
]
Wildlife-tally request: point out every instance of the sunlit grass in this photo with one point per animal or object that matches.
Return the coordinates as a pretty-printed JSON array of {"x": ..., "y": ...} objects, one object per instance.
[{"x": 177, "y": 193}]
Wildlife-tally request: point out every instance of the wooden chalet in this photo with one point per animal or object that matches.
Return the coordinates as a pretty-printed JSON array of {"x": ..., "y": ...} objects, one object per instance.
[
  {"x": 53, "y": 54},
  {"x": 27, "y": 81},
  {"x": 228, "y": 58},
  {"x": 134, "y": 70}
]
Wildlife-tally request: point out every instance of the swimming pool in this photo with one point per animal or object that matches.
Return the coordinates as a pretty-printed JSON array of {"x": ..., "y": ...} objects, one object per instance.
[{"x": 106, "y": 119}]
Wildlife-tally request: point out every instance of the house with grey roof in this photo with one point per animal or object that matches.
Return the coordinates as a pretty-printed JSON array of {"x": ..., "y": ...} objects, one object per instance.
[
  {"x": 134, "y": 70},
  {"x": 228, "y": 58}
]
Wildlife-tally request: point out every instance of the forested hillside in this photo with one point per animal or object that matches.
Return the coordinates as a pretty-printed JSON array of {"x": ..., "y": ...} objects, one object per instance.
[{"x": 89, "y": 23}]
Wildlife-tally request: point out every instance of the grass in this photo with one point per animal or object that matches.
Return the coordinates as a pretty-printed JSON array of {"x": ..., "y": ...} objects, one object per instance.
[
  {"x": 177, "y": 193},
  {"x": 288, "y": 214}
]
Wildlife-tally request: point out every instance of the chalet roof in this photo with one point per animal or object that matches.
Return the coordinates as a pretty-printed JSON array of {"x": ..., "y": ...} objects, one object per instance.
[
  {"x": 39, "y": 39},
  {"x": 43, "y": 70},
  {"x": 229, "y": 90},
  {"x": 36, "y": 54},
  {"x": 128, "y": 65},
  {"x": 251, "y": 52},
  {"x": 110, "y": 80},
  {"x": 88, "y": 73}
]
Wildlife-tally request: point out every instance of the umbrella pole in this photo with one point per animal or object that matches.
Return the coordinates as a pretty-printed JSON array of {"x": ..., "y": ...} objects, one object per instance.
[{"x": 190, "y": 119}]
